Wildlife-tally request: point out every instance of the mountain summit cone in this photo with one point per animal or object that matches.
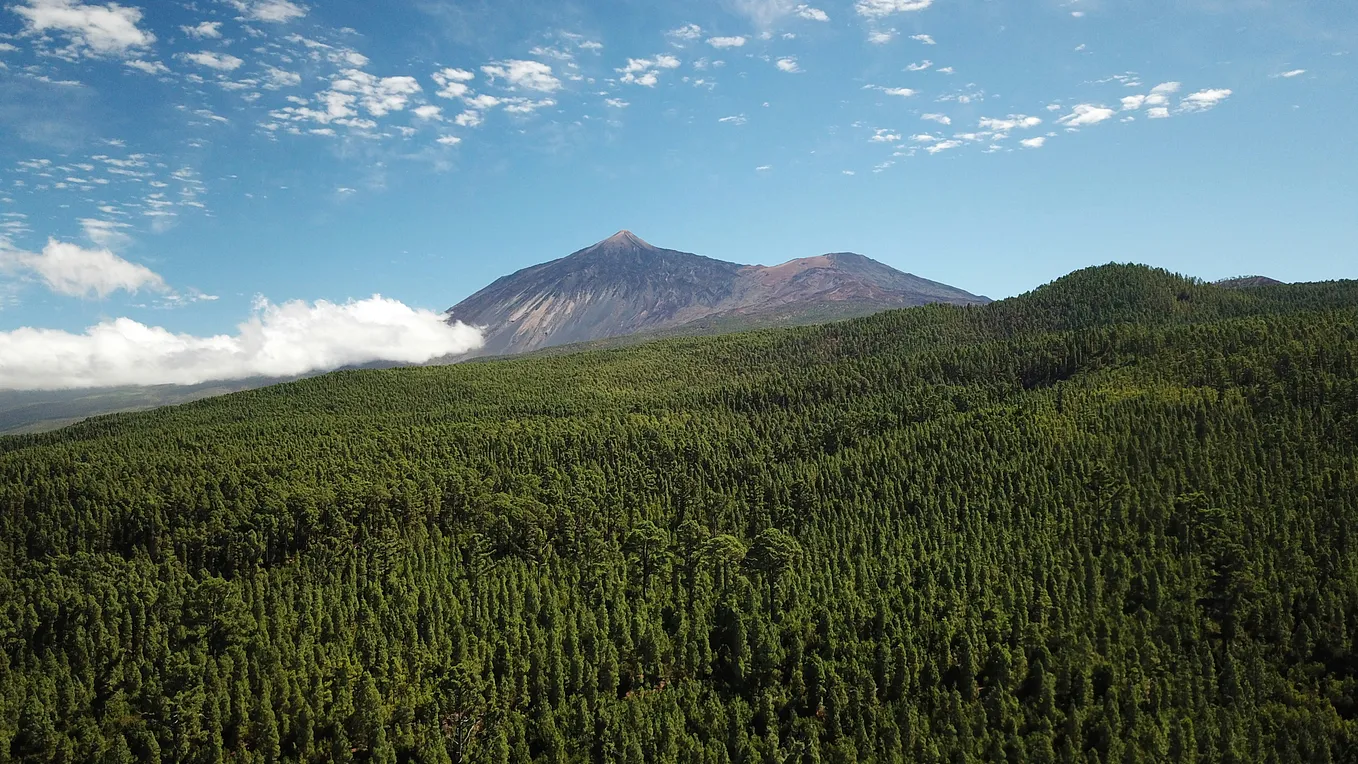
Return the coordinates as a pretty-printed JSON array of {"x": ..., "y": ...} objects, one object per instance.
[{"x": 623, "y": 239}]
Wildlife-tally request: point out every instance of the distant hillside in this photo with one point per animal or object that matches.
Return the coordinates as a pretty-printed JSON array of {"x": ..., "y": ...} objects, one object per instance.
[
  {"x": 624, "y": 286},
  {"x": 39, "y": 410}
]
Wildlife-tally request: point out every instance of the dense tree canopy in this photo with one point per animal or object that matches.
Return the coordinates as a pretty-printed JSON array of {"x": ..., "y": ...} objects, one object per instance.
[{"x": 1112, "y": 520}]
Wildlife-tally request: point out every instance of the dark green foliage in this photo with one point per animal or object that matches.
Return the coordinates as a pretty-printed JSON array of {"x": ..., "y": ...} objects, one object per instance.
[{"x": 1112, "y": 520}]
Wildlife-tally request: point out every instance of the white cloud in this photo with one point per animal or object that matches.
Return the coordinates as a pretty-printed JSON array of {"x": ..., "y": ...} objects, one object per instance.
[
  {"x": 616, "y": 103},
  {"x": 378, "y": 95},
  {"x": 1012, "y": 122},
  {"x": 591, "y": 45},
  {"x": 1132, "y": 103},
  {"x": 875, "y": 9},
  {"x": 106, "y": 233},
  {"x": 1078, "y": 14},
  {"x": 1158, "y": 112},
  {"x": 452, "y": 82},
  {"x": 880, "y": 37},
  {"x": 642, "y": 71},
  {"x": 813, "y": 14},
  {"x": 222, "y": 62},
  {"x": 901, "y": 92},
  {"x": 763, "y": 168},
  {"x": 765, "y": 13},
  {"x": 1203, "y": 99},
  {"x": 942, "y": 119},
  {"x": 1293, "y": 73},
  {"x": 738, "y": 119},
  {"x": 526, "y": 105},
  {"x": 92, "y": 30},
  {"x": 788, "y": 64},
  {"x": 428, "y": 111},
  {"x": 276, "y": 341},
  {"x": 726, "y": 42},
  {"x": 483, "y": 101},
  {"x": 273, "y": 11},
  {"x": 207, "y": 30},
  {"x": 919, "y": 67},
  {"x": 946, "y": 70},
  {"x": 1034, "y": 143},
  {"x": 882, "y": 135},
  {"x": 149, "y": 67},
  {"x": 1086, "y": 114},
  {"x": 686, "y": 32},
  {"x": 942, "y": 146},
  {"x": 924, "y": 38},
  {"x": 70, "y": 269},
  {"x": 276, "y": 79},
  {"x": 529, "y": 75},
  {"x": 449, "y": 140},
  {"x": 1159, "y": 95}
]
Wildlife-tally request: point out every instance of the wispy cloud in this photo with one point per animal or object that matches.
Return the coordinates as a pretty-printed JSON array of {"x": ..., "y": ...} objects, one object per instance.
[
  {"x": 874, "y": 9},
  {"x": 726, "y": 42},
  {"x": 687, "y": 32},
  {"x": 207, "y": 30},
  {"x": 529, "y": 75},
  {"x": 1012, "y": 122},
  {"x": 1204, "y": 99},
  {"x": 222, "y": 62},
  {"x": 898, "y": 92},
  {"x": 1086, "y": 114},
  {"x": 271, "y": 11},
  {"x": 646, "y": 71}
]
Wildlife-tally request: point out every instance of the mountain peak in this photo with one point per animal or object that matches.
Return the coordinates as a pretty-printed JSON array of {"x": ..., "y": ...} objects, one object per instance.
[
  {"x": 622, "y": 286},
  {"x": 623, "y": 239}
]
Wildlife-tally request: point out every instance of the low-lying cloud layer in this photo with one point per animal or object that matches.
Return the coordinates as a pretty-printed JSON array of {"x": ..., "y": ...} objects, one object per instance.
[{"x": 276, "y": 341}]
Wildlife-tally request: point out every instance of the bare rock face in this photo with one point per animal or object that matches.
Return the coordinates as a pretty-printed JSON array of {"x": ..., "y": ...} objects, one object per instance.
[{"x": 623, "y": 285}]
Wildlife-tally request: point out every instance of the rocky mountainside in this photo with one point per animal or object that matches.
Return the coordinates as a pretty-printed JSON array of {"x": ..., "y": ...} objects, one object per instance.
[{"x": 623, "y": 286}]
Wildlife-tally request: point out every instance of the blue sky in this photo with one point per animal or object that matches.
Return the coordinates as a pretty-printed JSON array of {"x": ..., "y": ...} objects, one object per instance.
[{"x": 182, "y": 168}]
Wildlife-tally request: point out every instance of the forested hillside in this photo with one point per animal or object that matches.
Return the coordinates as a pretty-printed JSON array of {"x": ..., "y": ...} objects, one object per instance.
[{"x": 1113, "y": 520}]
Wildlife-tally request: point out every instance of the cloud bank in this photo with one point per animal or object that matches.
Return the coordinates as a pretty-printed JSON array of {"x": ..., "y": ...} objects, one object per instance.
[{"x": 276, "y": 341}]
